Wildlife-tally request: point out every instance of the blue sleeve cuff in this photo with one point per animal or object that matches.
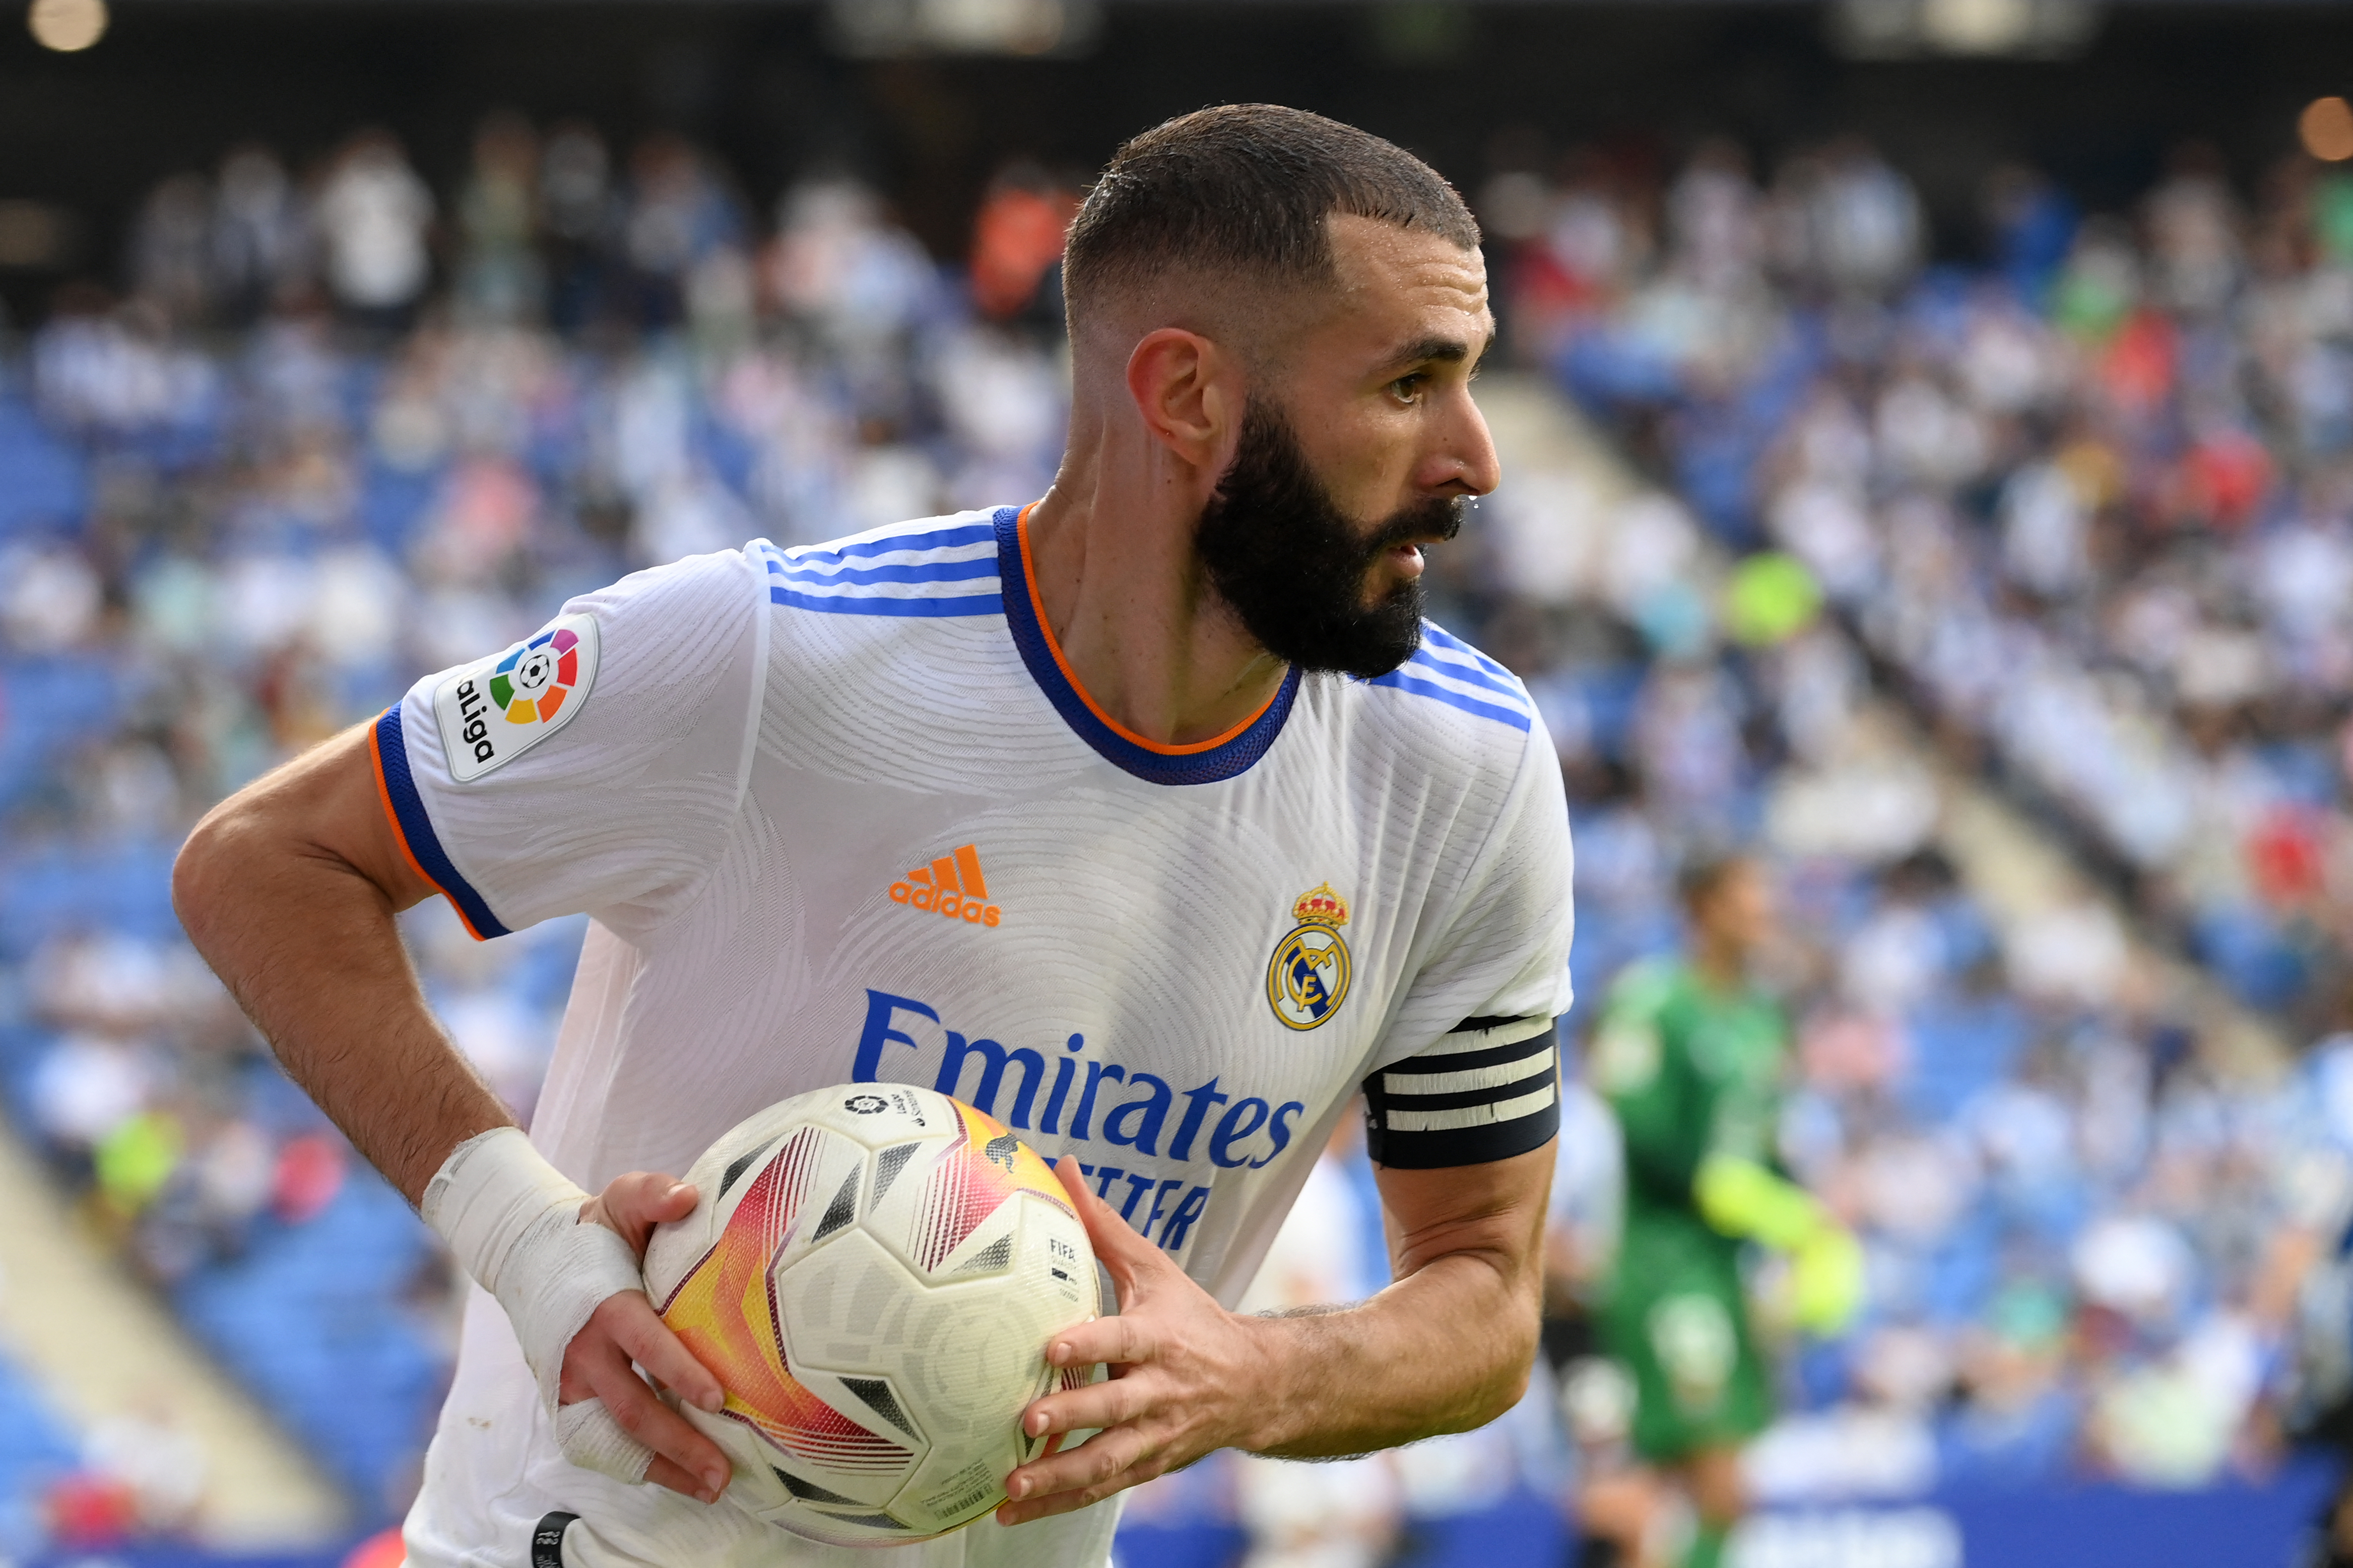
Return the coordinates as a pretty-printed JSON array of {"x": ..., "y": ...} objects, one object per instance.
[{"x": 414, "y": 828}]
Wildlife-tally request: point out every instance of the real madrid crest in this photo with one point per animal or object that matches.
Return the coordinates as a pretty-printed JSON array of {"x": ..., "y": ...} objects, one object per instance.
[{"x": 1307, "y": 978}]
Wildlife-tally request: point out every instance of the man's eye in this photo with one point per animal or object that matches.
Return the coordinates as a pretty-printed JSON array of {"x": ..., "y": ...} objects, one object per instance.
[{"x": 1406, "y": 388}]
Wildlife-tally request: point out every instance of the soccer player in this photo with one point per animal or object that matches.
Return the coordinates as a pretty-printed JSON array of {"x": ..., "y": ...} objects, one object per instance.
[
  {"x": 1691, "y": 1058},
  {"x": 1150, "y": 818}
]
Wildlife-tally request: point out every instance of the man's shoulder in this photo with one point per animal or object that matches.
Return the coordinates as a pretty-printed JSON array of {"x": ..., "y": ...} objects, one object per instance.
[
  {"x": 932, "y": 568},
  {"x": 1449, "y": 719},
  {"x": 1446, "y": 687},
  {"x": 894, "y": 633}
]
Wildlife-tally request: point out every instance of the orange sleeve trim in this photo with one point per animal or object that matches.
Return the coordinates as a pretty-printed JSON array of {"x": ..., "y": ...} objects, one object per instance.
[{"x": 399, "y": 836}]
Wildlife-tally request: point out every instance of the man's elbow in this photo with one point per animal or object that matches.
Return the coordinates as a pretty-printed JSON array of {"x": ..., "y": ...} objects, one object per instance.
[
  {"x": 235, "y": 855},
  {"x": 1514, "y": 1387},
  {"x": 1514, "y": 1368},
  {"x": 1527, "y": 1342},
  {"x": 201, "y": 872},
  {"x": 1493, "y": 1397}
]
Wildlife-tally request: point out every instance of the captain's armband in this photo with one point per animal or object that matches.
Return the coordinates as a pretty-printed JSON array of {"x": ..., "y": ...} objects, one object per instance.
[{"x": 1488, "y": 1091}]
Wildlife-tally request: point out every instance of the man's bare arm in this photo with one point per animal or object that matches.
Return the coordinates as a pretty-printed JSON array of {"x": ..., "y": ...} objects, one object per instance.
[
  {"x": 288, "y": 890},
  {"x": 1445, "y": 1348},
  {"x": 1450, "y": 1346}
]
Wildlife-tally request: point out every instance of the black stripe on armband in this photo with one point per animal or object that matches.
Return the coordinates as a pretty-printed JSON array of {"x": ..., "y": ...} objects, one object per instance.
[
  {"x": 1432, "y": 1064},
  {"x": 1462, "y": 1107}
]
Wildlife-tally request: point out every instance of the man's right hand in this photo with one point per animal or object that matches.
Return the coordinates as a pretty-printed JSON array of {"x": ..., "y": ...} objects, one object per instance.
[
  {"x": 625, "y": 1328},
  {"x": 288, "y": 890}
]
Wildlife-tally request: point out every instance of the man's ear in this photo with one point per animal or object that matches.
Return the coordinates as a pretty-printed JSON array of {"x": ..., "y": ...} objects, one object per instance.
[{"x": 1188, "y": 392}]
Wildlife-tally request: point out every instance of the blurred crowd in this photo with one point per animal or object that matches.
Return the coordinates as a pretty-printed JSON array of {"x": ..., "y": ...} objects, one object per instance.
[
  {"x": 2081, "y": 511},
  {"x": 337, "y": 432},
  {"x": 2081, "y": 508},
  {"x": 2086, "y": 503}
]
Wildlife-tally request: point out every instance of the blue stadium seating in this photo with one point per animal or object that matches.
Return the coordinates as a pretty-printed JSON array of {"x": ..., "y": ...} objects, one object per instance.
[
  {"x": 312, "y": 1319},
  {"x": 46, "y": 707},
  {"x": 48, "y": 480},
  {"x": 36, "y": 1448}
]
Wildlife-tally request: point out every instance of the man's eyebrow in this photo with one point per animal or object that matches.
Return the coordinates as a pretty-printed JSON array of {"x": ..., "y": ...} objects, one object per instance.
[
  {"x": 1437, "y": 349},
  {"x": 1431, "y": 350}
]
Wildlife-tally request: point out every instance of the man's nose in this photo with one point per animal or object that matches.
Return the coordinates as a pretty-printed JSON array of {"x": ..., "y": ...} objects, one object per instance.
[{"x": 1465, "y": 463}]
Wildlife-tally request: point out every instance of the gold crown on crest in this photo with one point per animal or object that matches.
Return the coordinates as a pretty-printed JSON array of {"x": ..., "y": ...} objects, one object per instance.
[{"x": 1320, "y": 906}]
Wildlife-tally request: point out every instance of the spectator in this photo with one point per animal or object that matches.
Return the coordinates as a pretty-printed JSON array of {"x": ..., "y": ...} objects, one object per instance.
[
  {"x": 374, "y": 214},
  {"x": 499, "y": 278},
  {"x": 1017, "y": 241},
  {"x": 1865, "y": 222},
  {"x": 577, "y": 206},
  {"x": 171, "y": 263},
  {"x": 260, "y": 252},
  {"x": 679, "y": 219}
]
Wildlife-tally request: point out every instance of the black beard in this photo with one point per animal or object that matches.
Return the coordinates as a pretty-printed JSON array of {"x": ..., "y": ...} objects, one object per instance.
[{"x": 1292, "y": 566}]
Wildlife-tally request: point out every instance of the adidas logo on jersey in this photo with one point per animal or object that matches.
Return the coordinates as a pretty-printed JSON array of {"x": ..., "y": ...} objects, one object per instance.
[{"x": 950, "y": 886}]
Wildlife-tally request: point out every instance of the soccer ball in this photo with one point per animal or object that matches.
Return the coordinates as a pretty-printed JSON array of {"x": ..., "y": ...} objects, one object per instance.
[{"x": 873, "y": 1272}]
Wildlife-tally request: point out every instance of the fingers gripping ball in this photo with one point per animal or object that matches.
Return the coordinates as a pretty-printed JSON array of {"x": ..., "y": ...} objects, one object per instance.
[
  {"x": 566, "y": 1268},
  {"x": 588, "y": 1436},
  {"x": 874, "y": 1273}
]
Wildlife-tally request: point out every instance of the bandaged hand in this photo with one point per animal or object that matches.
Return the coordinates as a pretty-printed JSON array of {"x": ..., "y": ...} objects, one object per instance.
[{"x": 565, "y": 1267}]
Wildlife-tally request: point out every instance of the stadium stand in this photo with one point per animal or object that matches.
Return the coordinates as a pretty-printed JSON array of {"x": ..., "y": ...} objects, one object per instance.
[
  {"x": 37, "y": 1451},
  {"x": 117, "y": 1422},
  {"x": 299, "y": 461},
  {"x": 2085, "y": 501}
]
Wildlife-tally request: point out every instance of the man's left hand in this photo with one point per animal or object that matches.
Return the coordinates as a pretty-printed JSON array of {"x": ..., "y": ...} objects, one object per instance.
[{"x": 1186, "y": 1376}]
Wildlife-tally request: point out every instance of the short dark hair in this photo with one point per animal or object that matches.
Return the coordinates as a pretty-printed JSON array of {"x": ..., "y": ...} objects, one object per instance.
[
  {"x": 1706, "y": 870},
  {"x": 1245, "y": 189}
]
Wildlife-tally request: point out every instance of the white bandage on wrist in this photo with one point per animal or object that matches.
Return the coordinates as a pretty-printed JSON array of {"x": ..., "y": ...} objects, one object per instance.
[{"x": 512, "y": 1221}]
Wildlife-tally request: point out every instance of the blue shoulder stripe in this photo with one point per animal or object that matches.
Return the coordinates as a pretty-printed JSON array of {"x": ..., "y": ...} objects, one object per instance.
[
  {"x": 878, "y": 604},
  {"x": 417, "y": 829},
  {"x": 919, "y": 572},
  {"x": 1401, "y": 682},
  {"x": 1432, "y": 632},
  {"x": 1471, "y": 674},
  {"x": 794, "y": 576},
  {"x": 937, "y": 539}
]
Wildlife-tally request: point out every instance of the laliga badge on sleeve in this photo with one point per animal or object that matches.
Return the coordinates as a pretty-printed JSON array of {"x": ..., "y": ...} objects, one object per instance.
[{"x": 492, "y": 712}]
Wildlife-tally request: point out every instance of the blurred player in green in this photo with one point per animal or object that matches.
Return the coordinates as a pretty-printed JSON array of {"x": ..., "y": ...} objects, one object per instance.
[{"x": 1689, "y": 1058}]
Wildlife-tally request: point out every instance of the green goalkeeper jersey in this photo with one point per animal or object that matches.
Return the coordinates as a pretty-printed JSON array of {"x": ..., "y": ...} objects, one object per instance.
[{"x": 1690, "y": 1072}]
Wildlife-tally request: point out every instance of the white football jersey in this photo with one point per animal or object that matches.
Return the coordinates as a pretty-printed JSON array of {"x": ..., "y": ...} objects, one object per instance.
[{"x": 840, "y": 813}]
